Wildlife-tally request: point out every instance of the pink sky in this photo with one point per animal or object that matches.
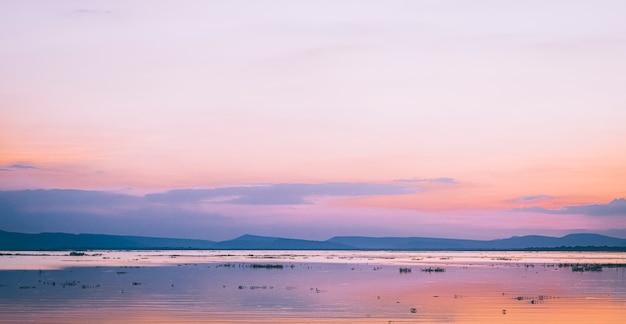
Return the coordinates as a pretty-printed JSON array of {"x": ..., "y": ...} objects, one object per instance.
[{"x": 505, "y": 99}]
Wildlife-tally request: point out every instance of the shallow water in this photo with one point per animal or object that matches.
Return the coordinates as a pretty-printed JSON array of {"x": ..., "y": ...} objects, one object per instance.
[{"x": 310, "y": 287}]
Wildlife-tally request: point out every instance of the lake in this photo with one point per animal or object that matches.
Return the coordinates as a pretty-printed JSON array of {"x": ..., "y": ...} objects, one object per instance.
[{"x": 312, "y": 287}]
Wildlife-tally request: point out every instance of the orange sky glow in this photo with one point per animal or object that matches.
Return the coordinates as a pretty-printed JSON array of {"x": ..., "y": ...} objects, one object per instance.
[{"x": 452, "y": 112}]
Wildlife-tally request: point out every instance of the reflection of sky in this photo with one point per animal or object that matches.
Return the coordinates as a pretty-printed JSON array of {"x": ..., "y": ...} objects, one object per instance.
[{"x": 312, "y": 290}]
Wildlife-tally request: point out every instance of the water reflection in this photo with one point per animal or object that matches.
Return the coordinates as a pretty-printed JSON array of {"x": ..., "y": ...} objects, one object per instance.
[{"x": 277, "y": 290}]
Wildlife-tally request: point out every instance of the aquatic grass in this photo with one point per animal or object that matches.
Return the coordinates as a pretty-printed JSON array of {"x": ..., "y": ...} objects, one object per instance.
[
  {"x": 534, "y": 299},
  {"x": 590, "y": 267},
  {"x": 266, "y": 266},
  {"x": 70, "y": 283}
]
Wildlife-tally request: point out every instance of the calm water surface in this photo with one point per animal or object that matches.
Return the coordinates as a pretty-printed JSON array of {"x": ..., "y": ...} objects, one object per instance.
[{"x": 312, "y": 287}]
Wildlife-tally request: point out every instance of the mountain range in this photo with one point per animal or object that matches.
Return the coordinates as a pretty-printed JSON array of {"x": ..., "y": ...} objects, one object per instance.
[{"x": 64, "y": 241}]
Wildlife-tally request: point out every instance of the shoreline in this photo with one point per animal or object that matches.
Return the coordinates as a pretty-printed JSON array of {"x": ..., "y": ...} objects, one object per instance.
[{"x": 51, "y": 260}]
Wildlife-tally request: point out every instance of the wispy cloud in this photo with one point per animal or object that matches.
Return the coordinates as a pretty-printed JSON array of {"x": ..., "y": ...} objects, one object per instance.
[
  {"x": 533, "y": 198},
  {"x": 178, "y": 213},
  {"x": 444, "y": 180},
  {"x": 617, "y": 207},
  {"x": 201, "y": 214},
  {"x": 93, "y": 12},
  {"x": 17, "y": 167},
  {"x": 278, "y": 194},
  {"x": 81, "y": 211}
]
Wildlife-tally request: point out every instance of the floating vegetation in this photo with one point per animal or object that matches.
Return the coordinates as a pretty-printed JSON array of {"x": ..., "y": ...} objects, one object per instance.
[
  {"x": 254, "y": 266},
  {"x": 593, "y": 267},
  {"x": 252, "y": 256},
  {"x": 255, "y": 287},
  {"x": 405, "y": 270},
  {"x": 135, "y": 283},
  {"x": 437, "y": 269},
  {"x": 534, "y": 299},
  {"x": 74, "y": 253},
  {"x": 587, "y": 267},
  {"x": 267, "y": 266},
  {"x": 70, "y": 283}
]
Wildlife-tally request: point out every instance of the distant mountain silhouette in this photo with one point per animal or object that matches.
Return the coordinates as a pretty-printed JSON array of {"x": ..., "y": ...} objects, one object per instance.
[
  {"x": 64, "y": 241},
  {"x": 247, "y": 242},
  {"x": 513, "y": 243}
]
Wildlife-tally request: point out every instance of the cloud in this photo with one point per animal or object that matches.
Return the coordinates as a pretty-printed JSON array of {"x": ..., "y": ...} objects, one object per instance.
[
  {"x": 617, "y": 207},
  {"x": 277, "y": 194},
  {"x": 180, "y": 213},
  {"x": 93, "y": 12},
  {"x": 67, "y": 197},
  {"x": 429, "y": 180},
  {"x": 17, "y": 167},
  {"x": 533, "y": 198},
  {"x": 79, "y": 211},
  {"x": 186, "y": 215}
]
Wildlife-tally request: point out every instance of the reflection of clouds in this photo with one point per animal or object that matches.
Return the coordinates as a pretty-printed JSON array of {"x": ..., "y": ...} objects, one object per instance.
[{"x": 337, "y": 290}]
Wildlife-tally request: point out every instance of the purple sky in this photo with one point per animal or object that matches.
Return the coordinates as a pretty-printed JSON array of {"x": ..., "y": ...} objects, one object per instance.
[{"x": 211, "y": 119}]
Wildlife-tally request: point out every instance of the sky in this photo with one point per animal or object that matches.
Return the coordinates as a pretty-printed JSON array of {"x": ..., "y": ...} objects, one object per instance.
[{"x": 310, "y": 119}]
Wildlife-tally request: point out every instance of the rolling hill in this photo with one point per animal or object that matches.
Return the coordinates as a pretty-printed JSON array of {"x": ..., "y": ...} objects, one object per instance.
[{"x": 64, "y": 241}]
